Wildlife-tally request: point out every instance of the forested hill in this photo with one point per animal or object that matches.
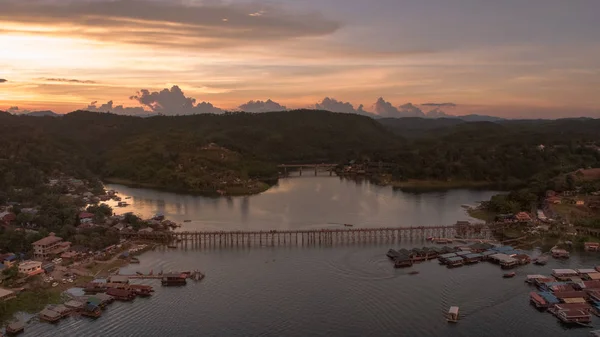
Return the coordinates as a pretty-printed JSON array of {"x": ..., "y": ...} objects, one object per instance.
[
  {"x": 205, "y": 152},
  {"x": 190, "y": 152}
]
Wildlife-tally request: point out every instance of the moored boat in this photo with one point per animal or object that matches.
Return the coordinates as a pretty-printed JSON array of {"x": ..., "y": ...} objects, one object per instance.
[
  {"x": 15, "y": 327},
  {"x": 414, "y": 272},
  {"x": 348, "y": 225},
  {"x": 509, "y": 275}
]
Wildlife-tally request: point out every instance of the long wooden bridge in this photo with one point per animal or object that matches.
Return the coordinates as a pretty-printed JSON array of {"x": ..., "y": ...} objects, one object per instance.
[
  {"x": 299, "y": 167},
  {"x": 325, "y": 236}
]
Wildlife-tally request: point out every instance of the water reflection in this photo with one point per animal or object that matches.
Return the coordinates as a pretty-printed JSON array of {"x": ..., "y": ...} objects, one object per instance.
[{"x": 306, "y": 202}]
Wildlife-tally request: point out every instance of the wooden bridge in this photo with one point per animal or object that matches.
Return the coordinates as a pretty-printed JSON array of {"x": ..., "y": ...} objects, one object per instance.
[
  {"x": 315, "y": 236},
  {"x": 299, "y": 167}
]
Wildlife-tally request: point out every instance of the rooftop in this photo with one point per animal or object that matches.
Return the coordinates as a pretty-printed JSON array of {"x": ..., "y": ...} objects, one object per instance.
[
  {"x": 48, "y": 240},
  {"x": 5, "y": 292}
]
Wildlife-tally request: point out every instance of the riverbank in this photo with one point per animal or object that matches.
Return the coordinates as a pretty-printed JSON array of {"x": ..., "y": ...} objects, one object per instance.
[{"x": 255, "y": 187}]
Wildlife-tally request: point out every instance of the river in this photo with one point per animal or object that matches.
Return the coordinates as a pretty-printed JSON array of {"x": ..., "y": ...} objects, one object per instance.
[{"x": 347, "y": 290}]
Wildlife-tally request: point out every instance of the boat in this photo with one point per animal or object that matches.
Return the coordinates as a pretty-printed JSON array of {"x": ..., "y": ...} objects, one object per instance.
[
  {"x": 414, "y": 272},
  {"x": 509, "y": 275},
  {"x": 122, "y": 204},
  {"x": 452, "y": 316},
  {"x": 15, "y": 327},
  {"x": 348, "y": 225},
  {"x": 134, "y": 260},
  {"x": 139, "y": 273},
  {"x": 541, "y": 261},
  {"x": 187, "y": 220},
  {"x": 172, "y": 246}
]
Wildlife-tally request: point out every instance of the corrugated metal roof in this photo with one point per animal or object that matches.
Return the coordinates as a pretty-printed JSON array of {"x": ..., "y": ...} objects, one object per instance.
[
  {"x": 473, "y": 256},
  {"x": 449, "y": 255},
  {"x": 455, "y": 259},
  {"x": 549, "y": 297}
]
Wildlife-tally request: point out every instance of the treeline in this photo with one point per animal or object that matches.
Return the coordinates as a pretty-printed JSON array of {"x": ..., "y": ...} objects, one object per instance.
[{"x": 200, "y": 152}]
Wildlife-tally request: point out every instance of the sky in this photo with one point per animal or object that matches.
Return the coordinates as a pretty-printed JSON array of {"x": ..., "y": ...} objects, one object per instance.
[{"x": 393, "y": 58}]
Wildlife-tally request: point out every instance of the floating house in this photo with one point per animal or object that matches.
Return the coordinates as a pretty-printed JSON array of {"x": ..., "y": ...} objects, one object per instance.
[
  {"x": 392, "y": 254},
  {"x": 444, "y": 257},
  {"x": 401, "y": 261},
  {"x": 456, "y": 261},
  {"x": 91, "y": 310},
  {"x": 505, "y": 261},
  {"x": 121, "y": 294},
  {"x": 74, "y": 305},
  {"x": 472, "y": 258},
  {"x": 563, "y": 273},
  {"x": 49, "y": 316},
  {"x": 173, "y": 280}
]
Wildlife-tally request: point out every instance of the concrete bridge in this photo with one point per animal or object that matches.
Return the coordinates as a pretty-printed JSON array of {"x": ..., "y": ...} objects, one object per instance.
[
  {"x": 299, "y": 167},
  {"x": 325, "y": 236}
]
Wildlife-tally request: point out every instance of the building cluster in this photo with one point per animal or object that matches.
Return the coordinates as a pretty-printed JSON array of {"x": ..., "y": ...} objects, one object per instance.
[{"x": 572, "y": 295}]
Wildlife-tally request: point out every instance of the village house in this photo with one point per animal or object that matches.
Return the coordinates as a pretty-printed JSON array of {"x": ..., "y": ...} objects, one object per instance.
[
  {"x": 48, "y": 246},
  {"x": 523, "y": 217},
  {"x": 85, "y": 217},
  {"x": 30, "y": 268},
  {"x": 8, "y": 259},
  {"x": 579, "y": 203},
  {"x": 6, "y": 294},
  {"x": 7, "y": 217}
]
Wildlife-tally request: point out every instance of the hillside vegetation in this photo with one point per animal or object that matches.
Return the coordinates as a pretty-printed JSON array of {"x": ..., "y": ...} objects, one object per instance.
[{"x": 238, "y": 152}]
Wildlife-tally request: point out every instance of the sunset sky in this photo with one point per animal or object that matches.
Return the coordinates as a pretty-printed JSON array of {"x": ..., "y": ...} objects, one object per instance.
[{"x": 509, "y": 58}]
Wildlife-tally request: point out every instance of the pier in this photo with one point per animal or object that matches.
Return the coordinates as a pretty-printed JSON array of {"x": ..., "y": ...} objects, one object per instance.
[{"x": 326, "y": 236}]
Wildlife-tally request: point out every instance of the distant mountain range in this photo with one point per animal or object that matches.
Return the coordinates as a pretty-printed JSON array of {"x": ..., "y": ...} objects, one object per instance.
[
  {"x": 43, "y": 113},
  {"x": 466, "y": 118}
]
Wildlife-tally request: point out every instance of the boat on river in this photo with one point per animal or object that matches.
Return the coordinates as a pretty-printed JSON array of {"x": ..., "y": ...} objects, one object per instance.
[
  {"x": 452, "y": 316},
  {"x": 348, "y": 225},
  {"x": 541, "y": 261},
  {"x": 15, "y": 327},
  {"x": 509, "y": 275}
]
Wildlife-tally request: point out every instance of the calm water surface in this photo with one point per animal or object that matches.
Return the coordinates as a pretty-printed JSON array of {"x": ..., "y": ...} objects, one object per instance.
[
  {"x": 305, "y": 202},
  {"x": 350, "y": 290}
]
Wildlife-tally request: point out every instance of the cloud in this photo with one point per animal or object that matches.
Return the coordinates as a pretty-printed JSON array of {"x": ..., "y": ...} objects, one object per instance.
[
  {"x": 2, "y": 80},
  {"x": 437, "y": 113},
  {"x": 440, "y": 105},
  {"x": 385, "y": 109},
  {"x": 118, "y": 109},
  {"x": 173, "y": 102},
  {"x": 333, "y": 105},
  {"x": 68, "y": 80},
  {"x": 410, "y": 110},
  {"x": 165, "y": 23},
  {"x": 262, "y": 106}
]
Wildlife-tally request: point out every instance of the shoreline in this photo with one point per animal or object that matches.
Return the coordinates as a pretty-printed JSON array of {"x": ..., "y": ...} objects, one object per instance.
[{"x": 260, "y": 187}]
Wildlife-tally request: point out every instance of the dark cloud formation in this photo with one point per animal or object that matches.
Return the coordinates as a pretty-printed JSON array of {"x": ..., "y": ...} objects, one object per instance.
[
  {"x": 261, "y": 106},
  {"x": 116, "y": 109},
  {"x": 333, "y": 105},
  {"x": 68, "y": 80},
  {"x": 440, "y": 105},
  {"x": 169, "y": 23},
  {"x": 173, "y": 102},
  {"x": 2, "y": 80}
]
